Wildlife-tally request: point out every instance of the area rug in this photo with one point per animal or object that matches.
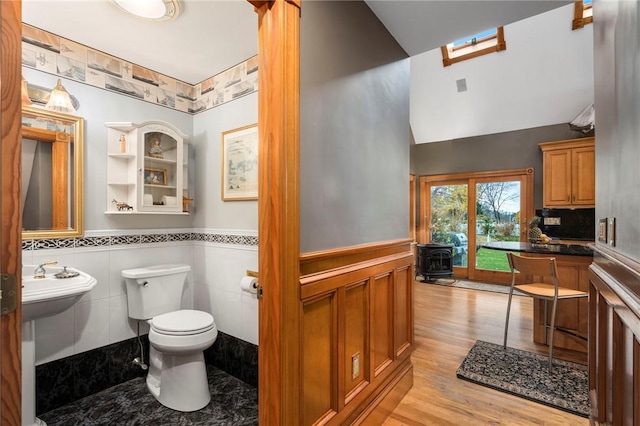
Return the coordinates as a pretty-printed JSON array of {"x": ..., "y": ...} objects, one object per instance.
[{"x": 526, "y": 374}]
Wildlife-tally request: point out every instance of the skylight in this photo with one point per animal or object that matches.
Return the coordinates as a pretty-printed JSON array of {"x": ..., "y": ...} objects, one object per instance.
[
  {"x": 476, "y": 38},
  {"x": 475, "y": 45},
  {"x": 582, "y": 14}
]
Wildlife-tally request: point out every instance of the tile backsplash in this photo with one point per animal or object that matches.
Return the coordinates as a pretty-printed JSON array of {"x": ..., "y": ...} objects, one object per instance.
[{"x": 568, "y": 224}]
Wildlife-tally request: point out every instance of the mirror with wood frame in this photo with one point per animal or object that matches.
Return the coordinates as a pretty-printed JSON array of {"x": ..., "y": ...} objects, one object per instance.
[{"x": 52, "y": 174}]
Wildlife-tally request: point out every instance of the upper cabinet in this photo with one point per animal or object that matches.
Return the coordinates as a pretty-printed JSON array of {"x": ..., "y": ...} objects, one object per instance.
[
  {"x": 147, "y": 167},
  {"x": 569, "y": 173}
]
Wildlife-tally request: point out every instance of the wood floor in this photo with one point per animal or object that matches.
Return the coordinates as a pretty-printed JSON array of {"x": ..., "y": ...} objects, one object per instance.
[{"x": 448, "y": 321}]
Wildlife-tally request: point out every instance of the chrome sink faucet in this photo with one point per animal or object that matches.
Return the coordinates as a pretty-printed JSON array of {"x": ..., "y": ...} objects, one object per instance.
[{"x": 40, "y": 272}]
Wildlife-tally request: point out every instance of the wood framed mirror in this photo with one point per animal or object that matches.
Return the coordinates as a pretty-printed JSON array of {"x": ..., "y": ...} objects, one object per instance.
[{"x": 52, "y": 174}]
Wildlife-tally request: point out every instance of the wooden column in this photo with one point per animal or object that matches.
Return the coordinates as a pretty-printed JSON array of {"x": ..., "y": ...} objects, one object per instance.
[
  {"x": 11, "y": 223},
  {"x": 279, "y": 211}
]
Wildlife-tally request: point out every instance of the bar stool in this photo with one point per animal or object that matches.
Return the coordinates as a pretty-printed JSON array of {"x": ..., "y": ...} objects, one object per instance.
[{"x": 540, "y": 267}]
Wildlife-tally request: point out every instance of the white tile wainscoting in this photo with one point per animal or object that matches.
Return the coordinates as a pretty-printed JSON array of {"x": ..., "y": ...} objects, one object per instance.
[{"x": 218, "y": 258}]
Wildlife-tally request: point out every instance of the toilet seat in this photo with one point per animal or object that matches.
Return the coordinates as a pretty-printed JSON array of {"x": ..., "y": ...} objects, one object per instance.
[{"x": 184, "y": 322}]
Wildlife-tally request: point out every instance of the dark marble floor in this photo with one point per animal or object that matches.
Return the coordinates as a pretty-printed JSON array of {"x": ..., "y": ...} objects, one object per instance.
[{"x": 233, "y": 402}]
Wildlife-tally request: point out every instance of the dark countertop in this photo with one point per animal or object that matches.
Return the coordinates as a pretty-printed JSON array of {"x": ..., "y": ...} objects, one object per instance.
[{"x": 564, "y": 249}]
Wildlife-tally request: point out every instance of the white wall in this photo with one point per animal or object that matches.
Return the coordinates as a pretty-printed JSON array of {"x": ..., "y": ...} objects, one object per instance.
[
  {"x": 544, "y": 77},
  {"x": 216, "y": 285}
]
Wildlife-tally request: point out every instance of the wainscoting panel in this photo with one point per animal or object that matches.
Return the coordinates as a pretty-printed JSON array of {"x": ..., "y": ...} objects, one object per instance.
[
  {"x": 403, "y": 311},
  {"x": 357, "y": 324},
  {"x": 382, "y": 322},
  {"x": 614, "y": 333},
  {"x": 319, "y": 320},
  {"x": 356, "y": 338}
]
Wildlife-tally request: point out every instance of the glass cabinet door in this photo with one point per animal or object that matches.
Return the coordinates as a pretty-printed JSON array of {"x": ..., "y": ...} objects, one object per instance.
[{"x": 161, "y": 172}]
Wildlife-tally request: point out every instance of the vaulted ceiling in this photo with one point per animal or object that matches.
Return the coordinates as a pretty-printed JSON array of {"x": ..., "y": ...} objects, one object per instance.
[{"x": 212, "y": 35}]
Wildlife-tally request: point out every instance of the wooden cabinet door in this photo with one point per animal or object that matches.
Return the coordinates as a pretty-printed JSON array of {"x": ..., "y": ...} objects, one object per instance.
[
  {"x": 583, "y": 177},
  {"x": 569, "y": 173},
  {"x": 557, "y": 178}
]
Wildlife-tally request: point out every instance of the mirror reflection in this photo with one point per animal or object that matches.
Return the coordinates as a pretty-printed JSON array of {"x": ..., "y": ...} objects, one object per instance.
[{"x": 52, "y": 170}]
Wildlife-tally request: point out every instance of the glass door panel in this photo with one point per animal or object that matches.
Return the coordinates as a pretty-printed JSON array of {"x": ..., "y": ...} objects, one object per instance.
[
  {"x": 449, "y": 204},
  {"x": 497, "y": 219},
  {"x": 469, "y": 209}
]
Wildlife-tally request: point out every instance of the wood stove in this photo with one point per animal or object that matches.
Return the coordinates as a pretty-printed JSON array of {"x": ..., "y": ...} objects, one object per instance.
[{"x": 434, "y": 261}]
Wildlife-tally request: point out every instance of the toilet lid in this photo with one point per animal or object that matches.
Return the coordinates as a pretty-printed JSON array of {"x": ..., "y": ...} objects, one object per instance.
[{"x": 185, "y": 321}]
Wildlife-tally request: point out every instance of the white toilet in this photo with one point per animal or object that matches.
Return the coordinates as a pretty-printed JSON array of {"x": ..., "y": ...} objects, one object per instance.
[{"x": 177, "y": 375}]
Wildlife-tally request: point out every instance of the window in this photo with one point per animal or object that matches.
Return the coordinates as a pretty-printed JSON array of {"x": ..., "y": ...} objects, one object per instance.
[
  {"x": 582, "y": 14},
  {"x": 473, "y": 46}
]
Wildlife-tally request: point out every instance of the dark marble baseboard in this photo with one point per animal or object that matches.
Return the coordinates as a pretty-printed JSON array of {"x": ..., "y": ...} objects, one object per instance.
[
  {"x": 70, "y": 379},
  {"x": 235, "y": 357}
]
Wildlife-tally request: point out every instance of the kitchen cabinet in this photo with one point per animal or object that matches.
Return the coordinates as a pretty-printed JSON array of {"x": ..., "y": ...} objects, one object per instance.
[
  {"x": 569, "y": 173},
  {"x": 147, "y": 168}
]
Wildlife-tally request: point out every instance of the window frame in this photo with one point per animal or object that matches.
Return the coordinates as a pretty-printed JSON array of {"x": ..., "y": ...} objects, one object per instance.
[
  {"x": 447, "y": 50},
  {"x": 579, "y": 18}
]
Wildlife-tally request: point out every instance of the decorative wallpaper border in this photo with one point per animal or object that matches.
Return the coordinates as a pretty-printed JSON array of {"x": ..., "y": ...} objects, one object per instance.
[
  {"x": 129, "y": 239},
  {"x": 56, "y": 55}
]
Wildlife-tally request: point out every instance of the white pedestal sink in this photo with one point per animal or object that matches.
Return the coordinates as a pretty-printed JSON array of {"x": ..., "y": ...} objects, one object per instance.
[{"x": 43, "y": 297}]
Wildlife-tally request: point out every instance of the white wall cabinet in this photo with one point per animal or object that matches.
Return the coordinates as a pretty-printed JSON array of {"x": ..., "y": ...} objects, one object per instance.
[{"x": 147, "y": 168}]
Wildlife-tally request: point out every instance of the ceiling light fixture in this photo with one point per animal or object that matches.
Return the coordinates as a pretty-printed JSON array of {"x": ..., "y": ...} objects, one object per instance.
[
  {"x": 59, "y": 100},
  {"x": 151, "y": 10}
]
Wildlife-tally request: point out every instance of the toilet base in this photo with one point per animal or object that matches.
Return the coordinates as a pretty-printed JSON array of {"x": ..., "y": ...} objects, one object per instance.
[{"x": 179, "y": 382}]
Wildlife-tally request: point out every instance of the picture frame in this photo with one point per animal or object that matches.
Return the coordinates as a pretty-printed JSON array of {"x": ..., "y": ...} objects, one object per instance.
[
  {"x": 240, "y": 164},
  {"x": 155, "y": 176}
]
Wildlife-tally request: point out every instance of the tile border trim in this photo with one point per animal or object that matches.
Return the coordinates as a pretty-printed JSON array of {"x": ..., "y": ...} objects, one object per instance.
[{"x": 157, "y": 236}]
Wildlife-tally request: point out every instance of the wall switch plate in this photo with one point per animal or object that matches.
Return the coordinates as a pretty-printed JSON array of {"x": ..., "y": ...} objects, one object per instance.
[
  {"x": 461, "y": 85},
  {"x": 603, "y": 223},
  {"x": 355, "y": 365},
  {"x": 612, "y": 231}
]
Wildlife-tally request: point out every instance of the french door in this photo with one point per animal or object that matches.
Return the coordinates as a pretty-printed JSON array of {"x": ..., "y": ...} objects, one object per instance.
[{"x": 467, "y": 210}]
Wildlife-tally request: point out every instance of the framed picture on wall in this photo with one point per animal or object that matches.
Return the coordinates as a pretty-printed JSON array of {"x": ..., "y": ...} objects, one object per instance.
[{"x": 240, "y": 164}]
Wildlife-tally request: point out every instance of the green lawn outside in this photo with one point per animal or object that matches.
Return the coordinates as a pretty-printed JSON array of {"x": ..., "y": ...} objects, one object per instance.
[{"x": 495, "y": 260}]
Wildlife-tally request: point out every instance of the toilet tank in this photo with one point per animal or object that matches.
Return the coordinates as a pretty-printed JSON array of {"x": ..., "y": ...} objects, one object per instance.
[{"x": 154, "y": 290}]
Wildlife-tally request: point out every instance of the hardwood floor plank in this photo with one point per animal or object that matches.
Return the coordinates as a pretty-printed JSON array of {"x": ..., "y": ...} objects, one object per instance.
[{"x": 448, "y": 321}]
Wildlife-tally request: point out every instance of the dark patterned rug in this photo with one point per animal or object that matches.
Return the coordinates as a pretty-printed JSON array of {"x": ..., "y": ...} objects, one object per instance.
[{"x": 526, "y": 374}]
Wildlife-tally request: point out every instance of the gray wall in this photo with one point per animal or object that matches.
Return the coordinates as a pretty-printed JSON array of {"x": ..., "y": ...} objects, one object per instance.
[
  {"x": 354, "y": 128},
  {"x": 500, "y": 151},
  {"x": 617, "y": 102},
  {"x": 210, "y": 210}
]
